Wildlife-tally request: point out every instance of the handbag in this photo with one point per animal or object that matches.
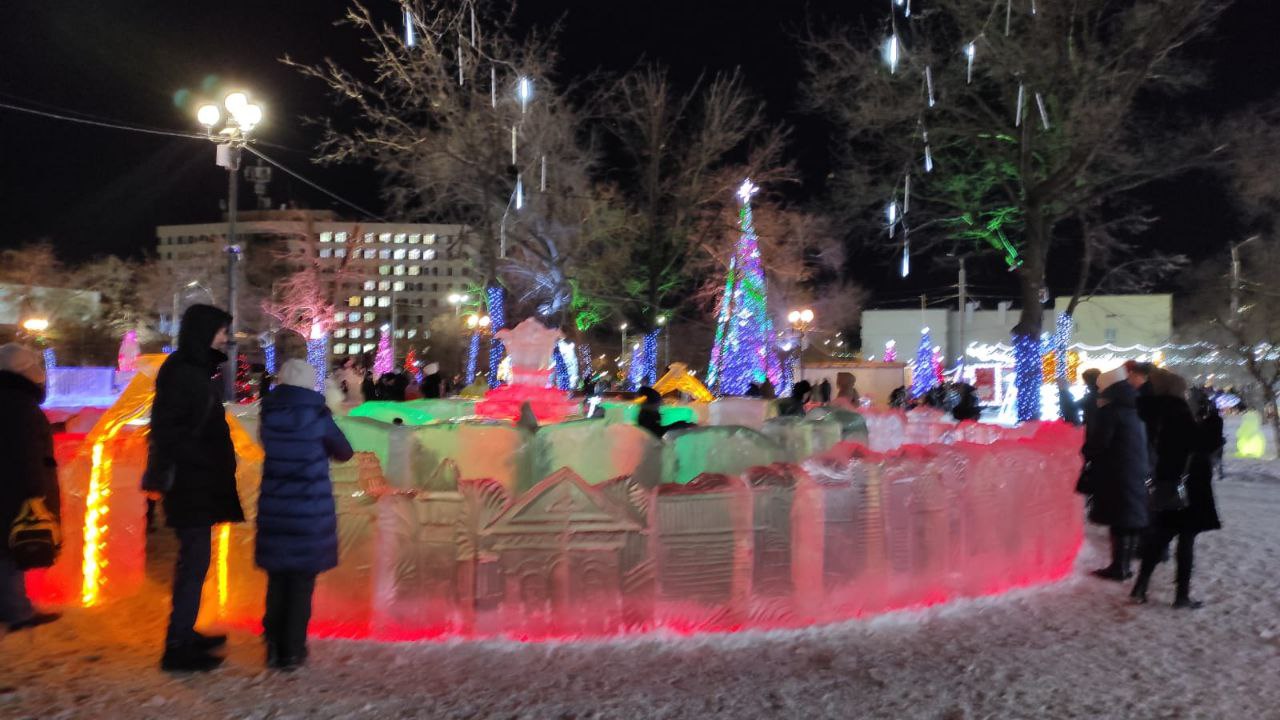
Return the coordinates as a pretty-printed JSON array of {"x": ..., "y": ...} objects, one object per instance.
[
  {"x": 35, "y": 537},
  {"x": 1169, "y": 497}
]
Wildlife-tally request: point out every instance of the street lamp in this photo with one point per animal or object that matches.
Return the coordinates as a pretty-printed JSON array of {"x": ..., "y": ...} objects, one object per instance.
[
  {"x": 240, "y": 119},
  {"x": 800, "y": 321},
  {"x": 35, "y": 325},
  {"x": 478, "y": 321}
]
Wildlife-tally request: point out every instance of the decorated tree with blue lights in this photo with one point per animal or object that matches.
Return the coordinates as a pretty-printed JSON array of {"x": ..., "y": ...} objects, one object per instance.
[
  {"x": 744, "y": 351},
  {"x": 923, "y": 378},
  {"x": 1010, "y": 128}
]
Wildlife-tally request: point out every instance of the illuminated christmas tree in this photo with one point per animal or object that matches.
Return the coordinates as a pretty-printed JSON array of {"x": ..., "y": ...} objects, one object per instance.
[
  {"x": 383, "y": 362},
  {"x": 923, "y": 378},
  {"x": 743, "y": 352}
]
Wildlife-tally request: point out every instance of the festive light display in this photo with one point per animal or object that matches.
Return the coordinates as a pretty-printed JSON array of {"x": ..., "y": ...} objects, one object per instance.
[
  {"x": 1061, "y": 339},
  {"x": 560, "y": 374},
  {"x": 317, "y": 354},
  {"x": 1028, "y": 373},
  {"x": 496, "y": 299},
  {"x": 473, "y": 353},
  {"x": 50, "y": 360},
  {"x": 127, "y": 358},
  {"x": 269, "y": 357},
  {"x": 383, "y": 362},
  {"x": 585, "y": 368},
  {"x": 891, "y": 351},
  {"x": 935, "y": 362},
  {"x": 743, "y": 352},
  {"x": 411, "y": 365},
  {"x": 1073, "y": 366},
  {"x": 922, "y": 376}
]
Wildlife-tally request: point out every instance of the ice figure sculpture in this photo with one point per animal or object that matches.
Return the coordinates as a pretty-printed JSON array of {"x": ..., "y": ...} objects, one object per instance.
[{"x": 529, "y": 347}]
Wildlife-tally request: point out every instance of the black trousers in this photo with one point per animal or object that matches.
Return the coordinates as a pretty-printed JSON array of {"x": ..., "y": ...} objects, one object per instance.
[
  {"x": 284, "y": 625},
  {"x": 1156, "y": 544},
  {"x": 194, "y": 549}
]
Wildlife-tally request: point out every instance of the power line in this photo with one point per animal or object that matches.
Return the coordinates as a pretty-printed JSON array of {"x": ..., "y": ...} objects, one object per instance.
[{"x": 302, "y": 179}]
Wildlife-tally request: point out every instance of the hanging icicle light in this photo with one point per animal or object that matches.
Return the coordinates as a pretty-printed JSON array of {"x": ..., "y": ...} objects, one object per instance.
[
  {"x": 519, "y": 197},
  {"x": 906, "y": 194},
  {"x": 928, "y": 153},
  {"x": 524, "y": 91},
  {"x": 1008, "y": 15},
  {"x": 928, "y": 81},
  {"x": 891, "y": 52},
  {"x": 410, "y": 35},
  {"x": 891, "y": 214},
  {"x": 907, "y": 11},
  {"x": 1033, "y": 7},
  {"x": 513, "y": 144},
  {"x": 906, "y": 255},
  {"x": 493, "y": 86},
  {"x": 1017, "y": 112},
  {"x": 473, "y": 26},
  {"x": 1044, "y": 115},
  {"x": 542, "y": 182},
  {"x": 970, "y": 52}
]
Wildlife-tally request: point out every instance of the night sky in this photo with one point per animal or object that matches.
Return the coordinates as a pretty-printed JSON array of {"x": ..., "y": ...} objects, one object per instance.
[{"x": 95, "y": 191}]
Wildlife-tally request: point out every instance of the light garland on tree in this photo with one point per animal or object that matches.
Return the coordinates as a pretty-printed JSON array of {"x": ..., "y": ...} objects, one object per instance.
[
  {"x": 922, "y": 373},
  {"x": 383, "y": 362},
  {"x": 1027, "y": 369},
  {"x": 473, "y": 354},
  {"x": 269, "y": 357},
  {"x": 744, "y": 337},
  {"x": 560, "y": 378},
  {"x": 50, "y": 360},
  {"x": 496, "y": 300},
  {"x": 891, "y": 351}
]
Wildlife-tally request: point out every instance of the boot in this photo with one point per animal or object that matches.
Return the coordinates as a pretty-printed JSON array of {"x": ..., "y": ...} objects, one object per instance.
[
  {"x": 1121, "y": 552},
  {"x": 1139, "y": 592},
  {"x": 1185, "y": 559},
  {"x": 188, "y": 658}
]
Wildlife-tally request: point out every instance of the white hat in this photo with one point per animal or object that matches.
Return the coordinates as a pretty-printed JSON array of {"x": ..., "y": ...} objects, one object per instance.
[
  {"x": 1111, "y": 377},
  {"x": 297, "y": 373}
]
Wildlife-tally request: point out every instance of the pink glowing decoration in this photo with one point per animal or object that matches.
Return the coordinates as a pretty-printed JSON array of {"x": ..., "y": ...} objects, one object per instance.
[
  {"x": 127, "y": 359},
  {"x": 529, "y": 347}
]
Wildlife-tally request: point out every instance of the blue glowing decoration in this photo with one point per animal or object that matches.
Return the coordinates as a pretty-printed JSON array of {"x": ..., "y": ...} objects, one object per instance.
[
  {"x": 317, "y": 354},
  {"x": 923, "y": 378},
  {"x": 269, "y": 357},
  {"x": 166, "y": 349},
  {"x": 1061, "y": 339},
  {"x": 1028, "y": 376},
  {"x": 473, "y": 352},
  {"x": 585, "y": 369},
  {"x": 650, "y": 348},
  {"x": 561, "y": 375},
  {"x": 496, "y": 298},
  {"x": 50, "y": 360}
]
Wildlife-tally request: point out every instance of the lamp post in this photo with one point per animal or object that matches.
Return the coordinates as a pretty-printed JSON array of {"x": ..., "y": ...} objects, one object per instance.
[
  {"x": 800, "y": 321},
  {"x": 1235, "y": 277},
  {"x": 240, "y": 119}
]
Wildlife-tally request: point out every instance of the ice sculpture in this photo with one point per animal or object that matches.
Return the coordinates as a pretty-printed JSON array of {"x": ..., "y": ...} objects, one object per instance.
[
  {"x": 1250, "y": 442},
  {"x": 529, "y": 347}
]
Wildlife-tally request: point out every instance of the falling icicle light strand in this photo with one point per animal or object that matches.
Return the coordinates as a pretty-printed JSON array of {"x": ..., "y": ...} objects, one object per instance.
[
  {"x": 906, "y": 252},
  {"x": 906, "y": 194},
  {"x": 519, "y": 200},
  {"x": 891, "y": 53},
  {"x": 410, "y": 36},
  {"x": 1044, "y": 115},
  {"x": 524, "y": 92},
  {"x": 542, "y": 183},
  {"x": 928, "y": 81},
  {"x": 1017, "y": 112},
  {"x": 513, "y": 144},
  {"x": 970, "y": 52}
]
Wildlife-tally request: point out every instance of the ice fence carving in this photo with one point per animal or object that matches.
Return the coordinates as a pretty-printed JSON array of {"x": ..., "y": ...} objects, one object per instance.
[{"x": 477, "y": 528}]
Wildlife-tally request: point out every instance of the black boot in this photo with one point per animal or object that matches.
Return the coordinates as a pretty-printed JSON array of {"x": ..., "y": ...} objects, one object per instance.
[
  {"x": 188, "y": 658},
  {"x": 1186, "y": 556},
  {"x": 1121, "y": 552},
  {"x": 1139, "y": 592}
]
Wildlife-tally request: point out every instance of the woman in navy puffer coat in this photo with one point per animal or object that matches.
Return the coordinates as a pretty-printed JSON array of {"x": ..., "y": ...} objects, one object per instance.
[{"x": 297, "y": 524}]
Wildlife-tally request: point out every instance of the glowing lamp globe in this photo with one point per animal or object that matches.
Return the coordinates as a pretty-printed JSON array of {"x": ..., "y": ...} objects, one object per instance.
[
  {"x": 208, "y": 115},
  {"x": 235, "y": 102}
]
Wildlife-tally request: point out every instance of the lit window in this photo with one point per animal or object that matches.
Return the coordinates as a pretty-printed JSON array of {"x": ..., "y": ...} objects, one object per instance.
[
  {"x": 398, "y": 254},
  {"x": 399, "y": 270},
  {"x": 368, "y": 317},
  {"x": 368, "y": 332},
  {"x": 414, "y": 269},
  {"x": 384, "y": 301},
  {"x": 383, "y": 285},
  {"x": 340, "y": 333},
  {"x": 353, "y": 301},
  {"x": 326, "y": 252},
  {"x": 368, "y": 237},
  {"x": 398, "y": 286},
  {"x": 384, "y": 237},
  {"x": 414, "y": 239},
  {"x": 326, "y": 237},
  {"x": 413, "y": 334},
  {"x": 384, "y": 269},
  {"x": 369, "y": 284},
  {"x": 369, "y": 300},
  {"x": 415, "y": 254},
  {"x": 340, "y": 252},
  {"x": 353, "y": 317},
  {"x": 340, "y": 348},
  {"x": 384, "y": 254},
  {"x": 340, "y": 237},
  {"x": 428, "y": 254},
  {"x": 429, "y": 239},
  {"x": 400, "y": 238},
  {"x": 337, "y": 317},
  {"x": 399, "y": 334}
]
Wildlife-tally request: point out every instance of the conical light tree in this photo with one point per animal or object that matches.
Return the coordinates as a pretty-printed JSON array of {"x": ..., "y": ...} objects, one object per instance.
[
  {"x": 923, "y": 378},
  {"x": 743, "y": 352}
]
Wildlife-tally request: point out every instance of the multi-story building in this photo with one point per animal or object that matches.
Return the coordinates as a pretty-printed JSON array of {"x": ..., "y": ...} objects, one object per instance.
[{"x": 376, "y": 274}]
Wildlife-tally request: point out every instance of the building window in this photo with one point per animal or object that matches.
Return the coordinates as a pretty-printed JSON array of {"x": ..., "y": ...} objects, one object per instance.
[
  {"x": 369, "y": 284},
  {"x": 384, "y": 301},
  {"x": 353, "y": 301},
  {"x": 435, "y": 303},
  {"x": 384, "y": 269},
  {"x": 368, "y": 347},
  {"x": 326, "y": 252},
  {"x": 326, "y": 237},
  {"x": 340, "y": 252},
  {"x": 428, "y": 254},
  {"x": 340, "y": 333},
  {"x": 368, "y": 237},
  {"x": 383, "y": 285},
  {"x": 435, "y": 271},
  {"x": 414, "y": 269},
  {"x": 368, "y": 332},
  {"x": 340, "y": 349},
  {"x": 384, "y": 238},
  {"x": 413, "y": 334},
  {"x": 400, "y": 238},
  {"x": 384, "y": 254},
  {"x": 399, "y": 270},
  {"x": 398, "y": 285},
  {"x": 340, "y": 237},
  {"x": 465, "y": 271},
  {"x": 353, "y": 317},
  {"x": 369, "y": 300},
  {"x": 429, "y": 239},
  {"x": 449, "y": 271},
  {"x": 369, "y": 317},
  {"x": 414, "y": 239},
  {"x": 399, "y": 334},
  {"x": 415, "y": 254},
  {"x": 398, "y": 254}
]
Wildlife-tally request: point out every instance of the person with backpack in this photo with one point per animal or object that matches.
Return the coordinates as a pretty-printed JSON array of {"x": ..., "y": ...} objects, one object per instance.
[
  {"x": 28, "y": 486},
  {"x": 191, "y": 469},
  {"x": 297, "y": 536}
]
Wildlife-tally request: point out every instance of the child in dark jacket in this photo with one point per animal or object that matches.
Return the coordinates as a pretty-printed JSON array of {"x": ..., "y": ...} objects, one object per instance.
[{"x": 297, "y": 535}]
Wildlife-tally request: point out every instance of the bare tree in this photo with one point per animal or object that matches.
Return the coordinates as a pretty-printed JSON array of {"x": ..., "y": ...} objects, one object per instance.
[
  {"x": 302, "y": 301},
  {"x": 1016, "y": 131}
]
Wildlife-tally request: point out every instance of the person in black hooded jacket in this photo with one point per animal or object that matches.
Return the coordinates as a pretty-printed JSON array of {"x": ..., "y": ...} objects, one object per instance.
[
  {"x": 1116, "y": 449},
  {"x": 191, "y": 466}
]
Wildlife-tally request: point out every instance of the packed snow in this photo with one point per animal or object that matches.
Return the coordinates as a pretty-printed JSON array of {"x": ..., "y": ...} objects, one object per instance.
[{"x": 1074, "y": 649}]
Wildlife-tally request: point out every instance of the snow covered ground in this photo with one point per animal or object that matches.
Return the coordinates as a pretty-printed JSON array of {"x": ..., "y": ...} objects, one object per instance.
[{"x": 1075, "y": 649}]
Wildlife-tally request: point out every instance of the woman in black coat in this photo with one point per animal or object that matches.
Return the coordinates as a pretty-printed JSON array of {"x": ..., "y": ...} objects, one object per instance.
[
  {"x": 1116, "y": 450},
  {"x": 26, "y": 444},
  {"x": 1184, "y": 446},
  {"x": 191, "y": 466}
]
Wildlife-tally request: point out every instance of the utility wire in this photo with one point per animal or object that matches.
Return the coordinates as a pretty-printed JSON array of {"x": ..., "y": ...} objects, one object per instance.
[{"x": 302, "y": 179}]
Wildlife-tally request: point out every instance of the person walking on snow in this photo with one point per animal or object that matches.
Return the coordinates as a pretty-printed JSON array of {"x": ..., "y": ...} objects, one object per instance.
[
  {"x": 191, "y": 467},
  {"x": 1116, "y": 449},
  {"x": 297, "y": 535},
  {"x": 26, "y": 444}
]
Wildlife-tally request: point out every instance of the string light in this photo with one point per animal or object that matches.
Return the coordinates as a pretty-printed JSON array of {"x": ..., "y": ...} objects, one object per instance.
[
  {"x": 383, "y": 362},
  {"x": 891, "y": 351},
  {"x": 970, "y": 52},
  {"x": 496, "y": 299},
  {"x": 1026, "y": 364},
  {"x": 561, "y": 374},
  {"x": 317, "y": 352},
  {"x": 922, "y": 376},
  {"x": 410, "y": 36},
  {"x": 269, "y": 358},
  {"x": 50, "y": 360},
  {"x": 891, "y": 52},
  {"x": 928, "y": 81},
  {"x": 473, "y": 352}
]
